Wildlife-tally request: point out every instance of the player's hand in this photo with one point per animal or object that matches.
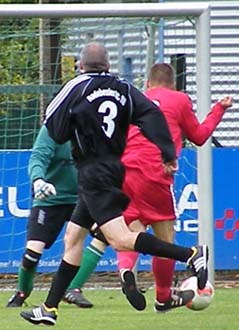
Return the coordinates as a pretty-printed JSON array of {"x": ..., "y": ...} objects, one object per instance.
[
  {"x": 43, "y": 189},
  {"x": 171, "y": 167},
  {"x": 226, "y": 102}
]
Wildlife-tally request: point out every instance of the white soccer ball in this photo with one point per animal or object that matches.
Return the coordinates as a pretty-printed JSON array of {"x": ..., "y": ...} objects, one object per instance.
[{"x": 202, "y": 298}]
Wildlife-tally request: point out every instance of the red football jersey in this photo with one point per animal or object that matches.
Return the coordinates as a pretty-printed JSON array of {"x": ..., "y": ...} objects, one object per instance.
[{"x": 177, "y": 107}]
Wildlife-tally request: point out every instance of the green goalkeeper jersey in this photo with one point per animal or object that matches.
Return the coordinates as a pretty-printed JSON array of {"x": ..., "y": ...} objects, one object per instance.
[{"x": 53, "y": 163}]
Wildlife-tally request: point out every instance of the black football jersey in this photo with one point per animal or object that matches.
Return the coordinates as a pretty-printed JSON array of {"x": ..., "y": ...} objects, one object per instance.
[{"x": 94, "y": 111}]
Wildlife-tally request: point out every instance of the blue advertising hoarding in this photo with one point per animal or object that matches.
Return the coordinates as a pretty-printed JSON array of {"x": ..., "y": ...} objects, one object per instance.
[{"x": 15, "y": 202}]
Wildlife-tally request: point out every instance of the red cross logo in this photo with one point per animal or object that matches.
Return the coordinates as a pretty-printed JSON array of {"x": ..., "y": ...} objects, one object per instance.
[{"x": 228, "y": 218}]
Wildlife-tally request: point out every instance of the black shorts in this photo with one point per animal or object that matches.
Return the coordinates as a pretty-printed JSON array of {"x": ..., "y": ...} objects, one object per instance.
[
  {"x": 100, "y": 192},
  {"x": 46, "y": 222}
]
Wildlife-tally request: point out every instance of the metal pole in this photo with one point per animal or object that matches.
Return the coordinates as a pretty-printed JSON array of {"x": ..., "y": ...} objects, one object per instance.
[
  {"x": 103, "y": 9},
  {"x": 205, "y": 202},
  {"x": 150, "y": 46},
  {"x": 120, "y": 52},
  {"x": 161, "y": 39}
]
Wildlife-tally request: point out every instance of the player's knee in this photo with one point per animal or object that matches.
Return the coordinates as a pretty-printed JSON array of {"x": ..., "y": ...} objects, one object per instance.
[
  {"x": 30, "y": 259},
  {"x": 97, "y": 233}
]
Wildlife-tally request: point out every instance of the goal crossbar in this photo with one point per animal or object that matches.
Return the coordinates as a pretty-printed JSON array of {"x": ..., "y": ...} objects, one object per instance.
[{"x": 103, "y": 9}]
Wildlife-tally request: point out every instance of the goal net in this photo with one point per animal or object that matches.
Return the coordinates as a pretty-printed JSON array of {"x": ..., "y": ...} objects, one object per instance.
[{"x": 38, "y": 54}]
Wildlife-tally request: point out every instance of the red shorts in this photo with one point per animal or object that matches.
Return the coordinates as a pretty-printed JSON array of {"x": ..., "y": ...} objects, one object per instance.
[{"x": 150, "y": 201}]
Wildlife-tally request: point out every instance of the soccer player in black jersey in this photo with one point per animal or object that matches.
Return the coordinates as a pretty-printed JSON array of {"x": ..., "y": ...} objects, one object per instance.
[{"x": 94, "y": 111}]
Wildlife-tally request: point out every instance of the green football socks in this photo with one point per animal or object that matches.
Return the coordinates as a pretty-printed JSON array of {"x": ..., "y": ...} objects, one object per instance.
[
  {"x": 25, "y": 280},
  {"x": 90, "y": 258}
]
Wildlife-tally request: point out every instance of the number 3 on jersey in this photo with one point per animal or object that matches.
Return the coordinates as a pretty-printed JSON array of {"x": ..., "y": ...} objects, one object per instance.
[{"x": 108, "y": 122}]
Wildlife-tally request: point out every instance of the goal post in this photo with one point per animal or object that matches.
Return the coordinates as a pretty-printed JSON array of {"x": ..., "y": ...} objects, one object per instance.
[
  {"x": 201, "y": 12},
  {"x": 204, "y": 153}
]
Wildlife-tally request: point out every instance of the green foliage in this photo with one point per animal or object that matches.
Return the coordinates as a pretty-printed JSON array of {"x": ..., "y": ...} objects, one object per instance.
[
  {"x": 19, "y": 65},
  {"x": 19, "y": 51},
  {"x": 18, "y": 1}
]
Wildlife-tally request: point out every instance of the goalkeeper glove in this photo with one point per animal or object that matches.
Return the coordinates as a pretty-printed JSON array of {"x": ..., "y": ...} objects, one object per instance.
[{"x": 43, "y": 189}]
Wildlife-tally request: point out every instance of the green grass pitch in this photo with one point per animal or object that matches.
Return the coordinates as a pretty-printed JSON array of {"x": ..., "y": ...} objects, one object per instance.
[{"x": 112, "y": 311}]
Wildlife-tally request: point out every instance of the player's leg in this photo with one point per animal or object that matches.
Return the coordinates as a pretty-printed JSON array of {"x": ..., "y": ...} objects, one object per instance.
[
  {"x": 163, "y": 270},
  {"x": 127, "y": 261},
  {"x": 158, "y": 207},
  {"x": 30, "y": 259},
  {"x": 74, "y": 238},
  {"x": 26, "y": 273},
  {"x": 91, "y": 255},
  {"x": 121, "y": 238},
  {"x": 40, "y": 235},
  {"x": 47, "y": 312}
]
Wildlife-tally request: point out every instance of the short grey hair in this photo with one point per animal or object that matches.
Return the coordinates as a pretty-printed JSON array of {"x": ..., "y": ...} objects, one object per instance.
[{"x": 94, "y": 57}]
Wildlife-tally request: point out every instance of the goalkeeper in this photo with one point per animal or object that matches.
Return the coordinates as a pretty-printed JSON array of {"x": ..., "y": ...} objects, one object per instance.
[{"x": 51, "y": 169}]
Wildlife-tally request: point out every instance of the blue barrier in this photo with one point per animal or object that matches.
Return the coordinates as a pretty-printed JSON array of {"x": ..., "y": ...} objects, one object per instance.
[{"x": 15, "y": 201}]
